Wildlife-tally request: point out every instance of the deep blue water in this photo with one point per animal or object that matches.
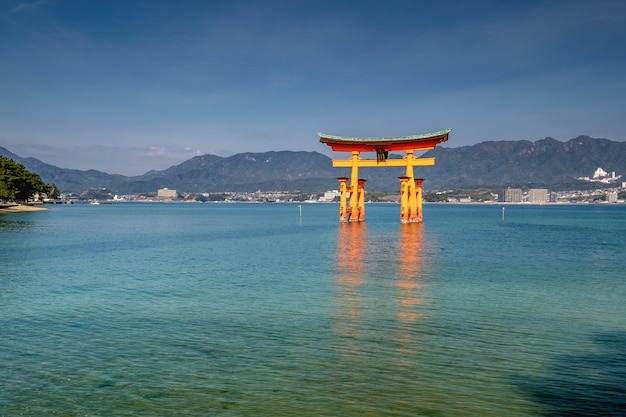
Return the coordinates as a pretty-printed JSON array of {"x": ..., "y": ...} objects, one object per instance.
[{"x": 252, "y": 310}]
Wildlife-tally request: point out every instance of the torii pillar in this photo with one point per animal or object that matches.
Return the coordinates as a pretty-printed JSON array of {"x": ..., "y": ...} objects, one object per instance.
[
  {"x": 361, "y": 199},
  {"x": 419, "y": 197},
  {"x": 342, "y": 199}
]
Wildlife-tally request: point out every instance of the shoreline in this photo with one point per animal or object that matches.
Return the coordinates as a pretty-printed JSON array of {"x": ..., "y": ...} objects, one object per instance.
[{"x": 19, "y": 208}]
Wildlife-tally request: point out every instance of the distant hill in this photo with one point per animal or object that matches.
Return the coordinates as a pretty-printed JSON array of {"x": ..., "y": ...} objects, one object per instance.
[
  {"x": 67, "y": 180},
  {"x": 247, "y": 172},
  {"x": 544, "y": 163}
]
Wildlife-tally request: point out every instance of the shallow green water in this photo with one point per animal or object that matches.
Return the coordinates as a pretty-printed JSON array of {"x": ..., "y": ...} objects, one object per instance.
[{"x": 252, "y": 310}]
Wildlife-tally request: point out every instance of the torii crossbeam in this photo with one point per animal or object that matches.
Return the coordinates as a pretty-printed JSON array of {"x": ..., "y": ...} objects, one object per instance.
[{"x": 410, "y": 187}]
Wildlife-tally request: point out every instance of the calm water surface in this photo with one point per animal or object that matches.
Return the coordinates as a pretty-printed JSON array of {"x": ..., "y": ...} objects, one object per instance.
[{"x": 252, "y": 310}]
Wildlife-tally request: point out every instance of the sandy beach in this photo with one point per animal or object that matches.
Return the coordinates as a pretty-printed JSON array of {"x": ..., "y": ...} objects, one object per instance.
[{"x": 19, "y": 208}]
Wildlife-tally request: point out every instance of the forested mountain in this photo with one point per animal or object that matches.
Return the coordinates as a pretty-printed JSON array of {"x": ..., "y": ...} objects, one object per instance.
[
  {"x": 544, "y": 163},
  {"x": 284, "y": 170}
]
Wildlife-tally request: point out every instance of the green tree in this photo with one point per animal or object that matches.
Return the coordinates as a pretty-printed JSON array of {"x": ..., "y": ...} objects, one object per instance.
[
  {"x": 54, "y": 192},
  {"x": 435, "y": 197},
  {"x": 17, "y": 183}
]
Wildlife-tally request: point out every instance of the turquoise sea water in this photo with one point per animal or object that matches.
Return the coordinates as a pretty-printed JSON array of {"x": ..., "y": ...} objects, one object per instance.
[{"x": 252, "y": 310}]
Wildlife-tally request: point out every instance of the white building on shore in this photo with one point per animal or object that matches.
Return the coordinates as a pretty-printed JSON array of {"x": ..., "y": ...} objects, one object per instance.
[
  {"x": 602, "y": 176},
  {"x": 538, "y": 195},
  {"x": 329, "y": 196},
  {"x": 167, "y": 194}
]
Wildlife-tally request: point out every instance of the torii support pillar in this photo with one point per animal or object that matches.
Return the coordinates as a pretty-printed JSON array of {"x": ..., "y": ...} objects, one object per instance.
[
  {"x": 353, "y": 210},
  {"x": 342, "y": 199},
  {"x": 361, "y": 200},
  {"x": 356, "y": 211},
  {"x": 410, "y": 199},
  {"x": 404, "y": 199},
  {"x": 419, "y": 197}
]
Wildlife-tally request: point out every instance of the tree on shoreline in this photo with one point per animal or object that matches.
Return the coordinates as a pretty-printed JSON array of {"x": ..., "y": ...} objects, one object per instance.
[{"x": 17, "y": 183}]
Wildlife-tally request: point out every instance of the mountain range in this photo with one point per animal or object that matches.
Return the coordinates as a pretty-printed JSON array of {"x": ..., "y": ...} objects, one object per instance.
[{"x": 546, "y": 163}]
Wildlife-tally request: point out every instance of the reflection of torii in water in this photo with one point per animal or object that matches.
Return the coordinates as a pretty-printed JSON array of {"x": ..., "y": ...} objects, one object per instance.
[
  {"x": 353, "y": 272},
  {"x": 411, "y": 187}
]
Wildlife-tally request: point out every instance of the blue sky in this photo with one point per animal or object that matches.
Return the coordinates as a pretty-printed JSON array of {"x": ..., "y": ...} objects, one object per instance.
[{"x": 125, "y": 86}]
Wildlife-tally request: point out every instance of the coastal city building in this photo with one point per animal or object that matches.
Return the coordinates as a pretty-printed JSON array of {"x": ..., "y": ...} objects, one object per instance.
[
  {"x": 611, "y": 197},
  {"x": 167, "y": 194},
  {"x": 511, "y": 195},
  {"x": 329, "y": 196},
  {"x": 538, "y": 196},
  {"x": 602, "y": 176},
  {"x": 554, "y": 197}
]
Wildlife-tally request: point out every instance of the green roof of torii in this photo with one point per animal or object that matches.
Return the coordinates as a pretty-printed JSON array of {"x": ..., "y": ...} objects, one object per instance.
[{"x": 380, "y": 140}]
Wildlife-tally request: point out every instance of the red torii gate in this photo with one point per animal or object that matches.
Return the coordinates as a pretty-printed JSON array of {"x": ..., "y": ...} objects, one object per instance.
[{"x": 410, "y": 187}]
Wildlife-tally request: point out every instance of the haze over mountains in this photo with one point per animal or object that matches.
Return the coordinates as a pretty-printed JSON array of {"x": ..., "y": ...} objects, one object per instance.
[{"x": 544, "y": 163}]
